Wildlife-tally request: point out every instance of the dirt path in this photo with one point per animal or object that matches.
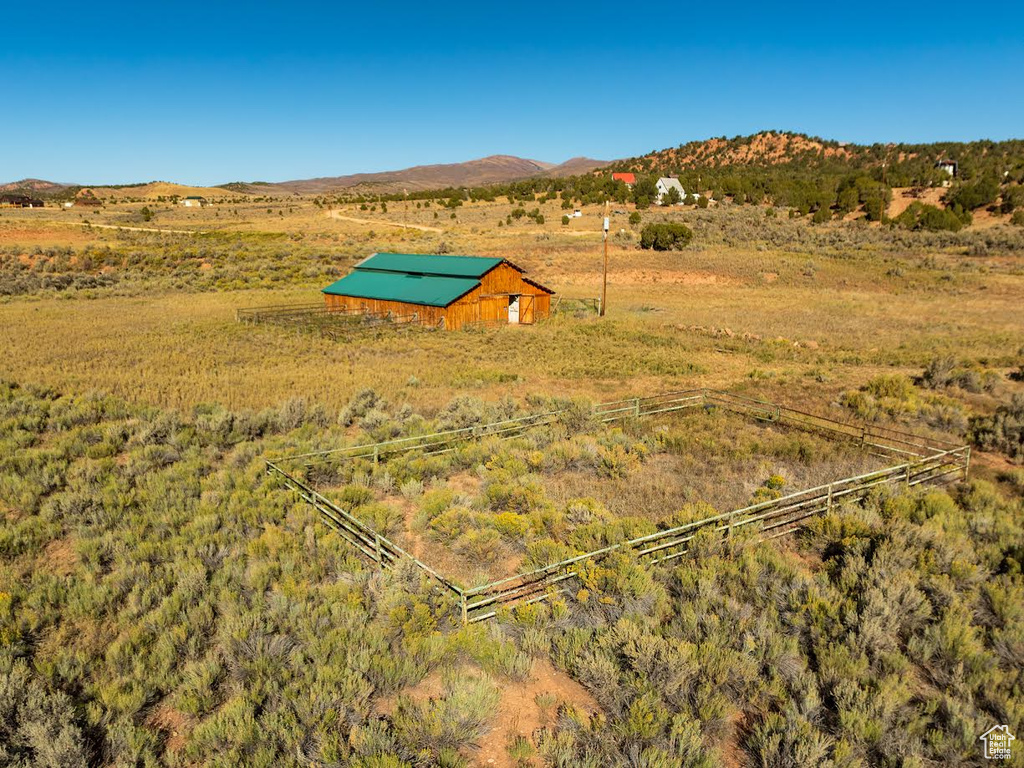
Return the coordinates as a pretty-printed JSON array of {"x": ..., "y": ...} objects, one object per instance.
[
  {"x": 144, "y": 229},
  {"x": 420, "y": 227}
]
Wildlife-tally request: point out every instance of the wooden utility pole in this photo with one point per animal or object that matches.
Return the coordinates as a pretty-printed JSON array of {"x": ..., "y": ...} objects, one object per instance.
[{"x": 604, "y": 282}]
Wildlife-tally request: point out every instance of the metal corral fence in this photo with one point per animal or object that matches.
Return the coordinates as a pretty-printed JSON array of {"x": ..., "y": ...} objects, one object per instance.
[
  {"x": 569, "y": 305},
  {"x": 331, "y": 322},
  {"x": 923, "y": 460}
]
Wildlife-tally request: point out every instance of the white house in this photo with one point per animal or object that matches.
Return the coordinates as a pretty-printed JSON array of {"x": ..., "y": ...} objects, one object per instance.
[
  {"x": 665, "y": 184},
  {"x": 194, "y": 202}
]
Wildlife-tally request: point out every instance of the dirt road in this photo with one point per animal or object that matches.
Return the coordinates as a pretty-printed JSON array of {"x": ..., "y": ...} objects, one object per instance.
[
  {"x": 420, "y": 227},
  {"x": 145, "y": 229}
]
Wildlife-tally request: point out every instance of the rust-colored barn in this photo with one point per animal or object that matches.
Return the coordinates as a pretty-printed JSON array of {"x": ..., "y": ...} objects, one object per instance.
[{"x": 448, "y": 291}]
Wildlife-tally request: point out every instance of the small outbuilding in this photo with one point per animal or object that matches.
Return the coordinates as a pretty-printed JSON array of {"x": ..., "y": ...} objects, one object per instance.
[
  {"x": 87, "y": 197},
  {"x": 947, "y": 166},
  {"x": 195, "y": 201},
  {"x": 446, "y": 291},
  {"x": 19, "y": 201}
]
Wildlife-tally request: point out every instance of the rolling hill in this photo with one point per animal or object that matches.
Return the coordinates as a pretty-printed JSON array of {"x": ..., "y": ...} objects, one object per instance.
[{"x": 495, "y": 169}]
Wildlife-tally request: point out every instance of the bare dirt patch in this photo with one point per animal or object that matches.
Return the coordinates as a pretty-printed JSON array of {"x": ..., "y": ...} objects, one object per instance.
[
  {"x": 59, "y": 557},
  {"x": 176, "y": 725},
  {"x": 519, "y": 714},
  {"x": 902, "y": 197},
  {"x": 464, "y": 484}
]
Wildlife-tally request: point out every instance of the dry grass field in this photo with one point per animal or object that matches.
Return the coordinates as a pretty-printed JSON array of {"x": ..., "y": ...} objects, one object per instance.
[
  {"x": 816, "y": 310},
  {"x": 162, "y": 602}
]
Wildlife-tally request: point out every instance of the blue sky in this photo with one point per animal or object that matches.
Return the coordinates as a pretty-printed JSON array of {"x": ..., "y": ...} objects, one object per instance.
[{"x": 200, "y": 93}]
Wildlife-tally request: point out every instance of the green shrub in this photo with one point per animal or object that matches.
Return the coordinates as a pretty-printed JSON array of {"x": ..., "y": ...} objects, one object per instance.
[
  {"x": 920, "y": 216},
  {"x": 665, "y": 236},
  {"x": 1003, "y": 430},
  {"x": 451, "y": 722}
]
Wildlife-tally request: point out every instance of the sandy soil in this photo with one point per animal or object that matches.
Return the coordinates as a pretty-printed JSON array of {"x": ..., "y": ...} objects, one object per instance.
[{"x": 902, "y": 197}]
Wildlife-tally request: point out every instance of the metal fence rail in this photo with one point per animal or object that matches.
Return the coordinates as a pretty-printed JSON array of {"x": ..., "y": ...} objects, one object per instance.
[
  {"x": 924, "y": 459},
  {"x": 564, "y": 305},
  {"x": 330, "y": 322}
]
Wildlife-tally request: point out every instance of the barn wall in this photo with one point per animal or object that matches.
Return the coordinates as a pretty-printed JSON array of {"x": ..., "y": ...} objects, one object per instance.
[
  {"x": 427, "y": 315},
  {"x": 504, "y": 279}
]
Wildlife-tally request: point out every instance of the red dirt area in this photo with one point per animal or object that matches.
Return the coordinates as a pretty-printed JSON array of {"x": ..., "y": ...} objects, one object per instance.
[
  {"x": 902, "y": 197},
  {"x": 173, "y": 723},
  {"x": 519, "y": 714}
]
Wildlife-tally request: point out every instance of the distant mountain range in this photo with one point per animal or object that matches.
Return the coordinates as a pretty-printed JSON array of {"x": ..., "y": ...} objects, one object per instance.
[
  {"x": 496, "y": 169},
  {"x": 753, "y": 157},
  {"x": 37, "y": 186}
]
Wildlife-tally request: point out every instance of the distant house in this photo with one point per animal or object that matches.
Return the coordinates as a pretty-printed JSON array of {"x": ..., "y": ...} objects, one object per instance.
[
  {"x": 629, "y": 179},
  {"x": 87, "y": 197},
  {"x": 445, "y": 291},
  {"x": 195, "y": 201},
  {"x": 665, "y": 184},
  {"x": 19, "y": 201},
  {"x": 948, "y": 166}
]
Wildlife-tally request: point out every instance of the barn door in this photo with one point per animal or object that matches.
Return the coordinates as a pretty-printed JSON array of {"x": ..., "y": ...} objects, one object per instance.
[
  {"x": 526, "y": 313},
  {"x": 513, "y": 309}
]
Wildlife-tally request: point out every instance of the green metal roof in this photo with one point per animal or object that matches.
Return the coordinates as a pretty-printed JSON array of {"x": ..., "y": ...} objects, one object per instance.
[
  {"x": 428, "y": 290},
  {"x": 422, "y": 264}
]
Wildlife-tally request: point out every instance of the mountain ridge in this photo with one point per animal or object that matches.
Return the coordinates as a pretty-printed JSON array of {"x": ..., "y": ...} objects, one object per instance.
[{"x": 493, "y": 169}]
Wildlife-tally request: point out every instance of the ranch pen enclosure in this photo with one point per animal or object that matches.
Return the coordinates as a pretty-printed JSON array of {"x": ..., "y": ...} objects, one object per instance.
[{"x": 920, "y": 460}]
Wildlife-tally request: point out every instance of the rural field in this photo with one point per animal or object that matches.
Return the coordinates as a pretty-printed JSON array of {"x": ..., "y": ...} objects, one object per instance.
[{"x": 164, "y": 601}]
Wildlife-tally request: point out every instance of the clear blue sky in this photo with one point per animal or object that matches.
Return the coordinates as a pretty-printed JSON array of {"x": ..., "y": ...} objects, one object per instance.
[{"x": 217, "y": 91}]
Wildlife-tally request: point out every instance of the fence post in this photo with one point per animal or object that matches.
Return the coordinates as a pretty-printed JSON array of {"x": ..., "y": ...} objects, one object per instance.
[
  {"x": 376, "y": 454},
  {"x": 908, "y": 474},
  {"x": 829, "y": 497},
  {"x": 465, "y": 610},
  {"x": 377, "y": 547},
  {"x": 636, "y": 407},
  {"x": 967, "y": 461}
]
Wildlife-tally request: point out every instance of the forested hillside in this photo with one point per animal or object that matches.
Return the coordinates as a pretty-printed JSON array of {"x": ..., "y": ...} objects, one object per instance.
[{"x": 806, "y": 175}]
